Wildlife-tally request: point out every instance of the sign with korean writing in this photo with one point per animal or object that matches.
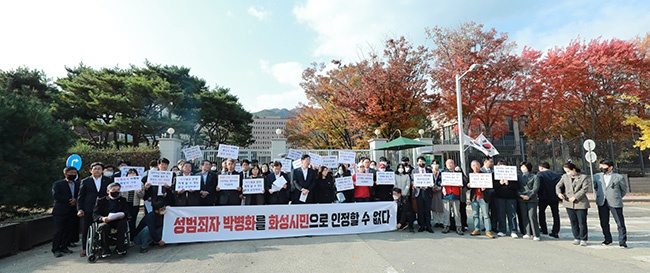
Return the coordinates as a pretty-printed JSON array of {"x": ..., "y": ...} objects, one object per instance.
[
  {"x": 297, "y": 164},
  {"x": 346, "y": 157},
  {"x": 228, "y": 182},
  {"x": 316, "y": 159},
  {"x": 422, "y": 180},
  {"x": 238, "y": 167},
  {"x": 294, "y": 154},
  {"x": 201, "y": 224},
  {"x": 159, "y": 178},
  {"x": 365, "y": 179},
  {"x": 480, "y": 180},
  {"x": 385, "y": 178},
  {"x": 505, "y": 172},
  {"x": 330, "y": 161},
  {"x": 125, "y": 169},
  {"x": 344, "y": 183},
  {"x": 188, "y": 183},
  {"x": 253, "y": 186},
  {"x": 286, "y": 164},
  {"x": 129, "y": 183},
  {"x": 452, "y": 179},
  {"x": 228, "y": 151},
  {"x": 193, "y": 152}
]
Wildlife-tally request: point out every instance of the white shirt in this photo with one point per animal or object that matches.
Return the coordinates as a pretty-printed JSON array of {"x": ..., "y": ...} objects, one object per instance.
[
  {"x": 98, "y": 183},
  {"x": 304, "y": 173},
  {"x": 608, "y": 178}
]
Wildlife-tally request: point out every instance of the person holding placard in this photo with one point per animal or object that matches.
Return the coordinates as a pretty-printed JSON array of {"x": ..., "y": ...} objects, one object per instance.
[
  {"x": 529, "y": 185},
  {"x": 437, "y": 207},
  {"x": 90, "y": 189},
  {"x": 325, "y": 191},
  {"x": 488, "y": 167},
  {"x": 505, "y": 194},
  {"x": 343, "y": 171},
  {"x": 230, "y": 197},
  {"x": 480, "y": 197},
  {"x": 254, "y": 199},
  {"x": 451, "y": 200},
  {"x": 361, "y": 193},
  {"x": 382, "y": 192},
  {"x": 276, "y": 184},
  {"x": 423, "y": 197},
  {"x": 133, "y": 200},
  {"x": 208, "y": 184},
  {"x": 187, "y": 197},
  {"x": 572, "y": 190},
  {"x": 303, "y": 182},
  {"x": 165, "y": 192},
  {"x": 371, "y": 167}
]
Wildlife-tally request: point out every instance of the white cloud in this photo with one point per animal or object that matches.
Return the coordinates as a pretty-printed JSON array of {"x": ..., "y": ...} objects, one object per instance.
[
  {"x": 289, "y": 73},
  {"x": 259, "y": 13},
  {"x": 287, "y": 99}
]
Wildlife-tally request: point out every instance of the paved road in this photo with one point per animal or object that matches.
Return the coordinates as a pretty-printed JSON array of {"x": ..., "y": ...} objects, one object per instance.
[{"x": 380, "y": 252}]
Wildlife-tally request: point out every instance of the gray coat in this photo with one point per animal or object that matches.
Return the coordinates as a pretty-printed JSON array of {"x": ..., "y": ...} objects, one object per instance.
[
  {"x": 529, "y": 187},
  {"x": 577, "y": 189},
  {"x": 613, "y": 193}
]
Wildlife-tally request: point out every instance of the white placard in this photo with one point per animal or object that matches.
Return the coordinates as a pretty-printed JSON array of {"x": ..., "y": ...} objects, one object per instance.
[
  {"x": 346, "y": 157},
  {"x": 330, "y": 161},
  {"x": 238, "y": 167},
  {"x": 253, "y": 186},
  {"x": 125, "y": 169},
  {"x": 187, "y": 183},
  {"x": 279, "y": 182},
  {"x": 228, "y": 182},
  {"x": 385, "y": 178},
  {"x": 480, "y": 180},
  {"x": 159, "y": 178},
  {"x": 505, "y": 172},
  {"x": 365, "y": 179},
  {"x": 452, "y": 179},
  {"x": 129, "y": 183},
  {"x": 294, "y": 154},
  {"x": 228, "y": 151},
  {"x": 203, "y": 224},
  {"x": 315, "y": 159},
  {"x": 193, "y": 152},
  {"x": 344, "y": 183},
  {"x": 421, "y": 180},
  {"x": 297, "y": 164},
  {"x": 286, "y": 164}
]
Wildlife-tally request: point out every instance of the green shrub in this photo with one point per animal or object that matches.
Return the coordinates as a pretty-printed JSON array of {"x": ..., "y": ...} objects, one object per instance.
[{"x": 139, "y": 156}]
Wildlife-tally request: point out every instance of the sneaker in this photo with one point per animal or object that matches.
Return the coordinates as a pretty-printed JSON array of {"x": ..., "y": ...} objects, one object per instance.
[
  {"x": 489, "y": 235},
  {"x": 66, "y": 250},
  {"x": 144, "y": 250},
  {"x": 605, "y": 243},
  {"x": 121, "y": 253},
  {"x": 583, "y": 243},
  {"x": 514, "y": 235},
  {"x": 475, "y": 233},
  {"x": 58, "y": 254},
  {"x": 459, "y": 231},
  {"x": 106, "y": 255},
  {"x": 526, "y": 236},
  {"x": 623, "y": 245},
  {"x": 536, "y": 239},
  {"x": 445, "y": 230},
  {"x": 501, "y": 234},
  {"x": 576, "y": 242}
]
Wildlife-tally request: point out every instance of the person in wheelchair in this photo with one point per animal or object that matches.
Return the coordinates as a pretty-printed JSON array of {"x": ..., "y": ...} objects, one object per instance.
[{"x": 112, "y": 211}]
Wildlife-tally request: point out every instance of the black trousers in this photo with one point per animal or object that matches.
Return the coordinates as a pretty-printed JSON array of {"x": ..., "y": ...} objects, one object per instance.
[
  {"x": 105, "y": 230},
  {"x": 494, "y": 215},
  {"x": 424, "y": 209},
  {"x": 64, "y": 229},
  {"x": 463, "y": 214},
  {"x": 543, "y": 203},
  {"x": 617, "y": 213},
  {"x": 133, "y": 211},
  {"x": 521, "y": 227},
  {"x": 578, "y": 218},
  {"x": 85, "y": 225}
]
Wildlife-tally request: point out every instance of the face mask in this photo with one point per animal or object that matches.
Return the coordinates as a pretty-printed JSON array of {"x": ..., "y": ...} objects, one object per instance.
[
  {"x": 115, "y": 194},
  {"x": 422, "y": 165},
  {"x": 71, "y": 177},
  {"x": 435, "y": 166},
  {"x": 400, "y": 170},
  {"x": 108, "y": 174},
  {"x": 340, "y": 172},
  {"x": 604, "y": 170},
  {"x": 162, "y": 212},
  {"x": 382, "y": 170},
  {"x": 373, "y": 167},
  {"x": 395, "y": 197},
  {"x": 213, "y": 168},
  {"x": 524, "y": 169}
]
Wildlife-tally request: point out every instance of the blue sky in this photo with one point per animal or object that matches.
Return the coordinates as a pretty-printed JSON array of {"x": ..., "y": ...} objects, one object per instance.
[{"x": 258, "y": 49}]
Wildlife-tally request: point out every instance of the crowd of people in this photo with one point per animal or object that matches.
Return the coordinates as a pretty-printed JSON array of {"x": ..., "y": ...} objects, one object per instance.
[{"x": 509, "y": 208}]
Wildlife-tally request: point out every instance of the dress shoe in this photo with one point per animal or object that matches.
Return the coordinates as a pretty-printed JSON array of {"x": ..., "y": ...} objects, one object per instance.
[
  {"x": 605, "y": 243},
  {"x": 475, "y": 233},
  {"x": 66, "y": 250},
  {"x": 430, "y": 230},
  {"x": 421, "y": 229},
  {"x": 445, "y": 230},
  {"x": 459, "y": 231},
  {"x": 144, "y": 250},
  {"x": 82, "y": 254},
  {"x": 554, "y": 235},
  {"x": 57, "y": 254},
  {"x": 411, "y": 230},
  {"x": 623, "y": 245}
]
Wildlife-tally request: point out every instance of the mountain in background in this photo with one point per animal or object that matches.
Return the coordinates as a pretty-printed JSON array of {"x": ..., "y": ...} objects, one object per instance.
[{"x": 275, "y": 112}]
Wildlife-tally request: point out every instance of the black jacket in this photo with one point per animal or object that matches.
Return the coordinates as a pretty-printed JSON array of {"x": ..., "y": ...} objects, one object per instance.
[
  {"x": 101, "y": 208},
  {"x": 209, "y": 185},
  {"x": 324, "y": 191},
  {"x": 154, "y": 221},
  {"x": 277, "y": 197},
  {"x": 299, "y": 182},
  {"x": 62, "y": 195},
  {"x": 88, "y": 193},
  {"x": 547, "y": 182},
  {"x": 188, "y": 198},
  {"x": 230, "y": 197}
]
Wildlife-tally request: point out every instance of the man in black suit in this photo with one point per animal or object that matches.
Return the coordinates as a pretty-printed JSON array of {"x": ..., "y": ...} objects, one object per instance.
[
  {"x": 208, "y": 184},
  {"x": 91, "y": 188},
  {"x": 303, "y": 181},
  {"x": 64, "y": 192},
  {"x": 112, "y": 211},
  {"x": 423, "y": 197},
  {"x": 281, "y": 196},
  {"x": 230, "y": 197},
  {"x": 189, "y": 197},
  {"x": 155, "y": 193}
]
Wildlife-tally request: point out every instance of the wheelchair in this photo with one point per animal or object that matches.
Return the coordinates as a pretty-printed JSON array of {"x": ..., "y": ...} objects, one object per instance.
[{"x": 94, "y": 242}]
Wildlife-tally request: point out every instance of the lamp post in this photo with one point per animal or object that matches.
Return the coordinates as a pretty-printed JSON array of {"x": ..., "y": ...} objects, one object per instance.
[
  {"x": 171, "y": 132},
  {"x": 459, "y": 105}
]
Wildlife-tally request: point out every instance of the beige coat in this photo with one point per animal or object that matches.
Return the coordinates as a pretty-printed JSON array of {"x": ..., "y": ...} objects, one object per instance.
[{"x": 577, "y": 189}]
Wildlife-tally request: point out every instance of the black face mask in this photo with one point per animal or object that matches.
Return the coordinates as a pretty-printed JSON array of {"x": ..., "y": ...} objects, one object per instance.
[
  {"x": 604, "y": 170},
  {"x": 71, "y": 177},
  {"x": 115, "y": 194},
  {"x": 422, "y": 165}
]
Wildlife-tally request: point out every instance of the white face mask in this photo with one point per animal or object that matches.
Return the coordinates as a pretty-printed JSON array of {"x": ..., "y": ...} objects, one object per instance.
[
  {"x": 108, "y": 173},
  {"x": 213, "y": 168},
  {"x": 400, "y": 170},
  {"x": 395, "y": 197},
  {"x": 382, "y": 170}
]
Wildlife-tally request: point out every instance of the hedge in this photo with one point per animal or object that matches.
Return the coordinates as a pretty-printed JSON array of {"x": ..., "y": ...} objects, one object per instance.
[{"x": 140, "y": 156}]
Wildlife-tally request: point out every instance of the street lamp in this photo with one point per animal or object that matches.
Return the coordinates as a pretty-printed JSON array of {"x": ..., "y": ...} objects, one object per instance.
[
  {"x": 171, "y": 132},
  {"x": 421, "y": 132},
  {"x": 460, "y": 114},
  {"x": 278, "y": 132},
  {"x": 377, "y": 132}
]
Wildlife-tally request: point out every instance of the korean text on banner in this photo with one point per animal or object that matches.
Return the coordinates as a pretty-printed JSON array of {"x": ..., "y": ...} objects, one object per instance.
[
  {"x": 129, "y": 183},
  {"x": 316, "y": 159},
  {"x": 344, "y": 183},
  {"x": 452, "y": 179},
  {"x": 347, "y": 157},
  {"x": 228, "y": 151},
  {"x": 422, "y": 180},
  {"x": 286, "y": 164},
  {"x": 385, "y": 178},
  {"x": 480, "y": 180},
  {"x": 297, "y": 164},
  {"x": 159, "y": 178},
  {"x": 253, "y": 186},
  {"x": 330, "y": 161},
  {"x": 193, "y": 152},
  {"x": 365, "y": 179},
  {"x": 188, "y": 183},
  {"x": 505, "y": 172},
  {"x": 125, "y": 169},
  {"x": 200, "y": 224},
  {"x": 228, "y": 182},
  {"x": 294, "y": 154}
]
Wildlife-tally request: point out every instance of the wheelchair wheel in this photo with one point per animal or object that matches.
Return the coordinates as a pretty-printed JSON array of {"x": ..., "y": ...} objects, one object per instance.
[
  {"x": 90, "y": 242},
  {"x": 92, "y": 258}
]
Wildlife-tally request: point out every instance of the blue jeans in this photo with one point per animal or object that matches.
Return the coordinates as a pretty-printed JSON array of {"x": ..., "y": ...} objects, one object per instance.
[
  {"x": 144, "y": 238},
  {"x": 506, "y": 208},
  {"x": 480, "y": 203}
]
